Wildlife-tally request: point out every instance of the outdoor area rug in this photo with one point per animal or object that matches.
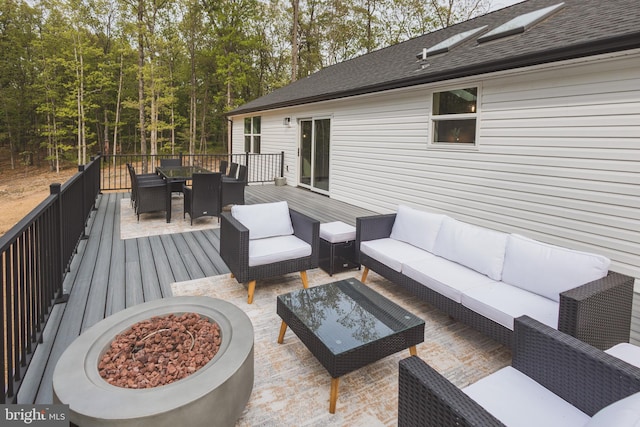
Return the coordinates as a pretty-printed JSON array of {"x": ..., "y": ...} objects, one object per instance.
[
  {"x": 154, "y": 223},
  {"x": 291, "y": 388}
]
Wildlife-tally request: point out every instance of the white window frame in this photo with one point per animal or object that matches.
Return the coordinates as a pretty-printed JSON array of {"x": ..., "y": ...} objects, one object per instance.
[
  {"x": 252, "y": 135},
  {"x": 434, "y": 118}
]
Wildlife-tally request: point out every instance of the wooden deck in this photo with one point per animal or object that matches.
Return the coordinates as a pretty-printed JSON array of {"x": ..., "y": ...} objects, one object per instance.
[{"x": 109, "y": 274}]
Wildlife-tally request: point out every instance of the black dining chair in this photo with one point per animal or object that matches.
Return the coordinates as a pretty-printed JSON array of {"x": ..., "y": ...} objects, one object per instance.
[
  {"x": 223, "y": 167},
  {"x": 203, "y": 197},
  {"x": 233, "y": 189}
]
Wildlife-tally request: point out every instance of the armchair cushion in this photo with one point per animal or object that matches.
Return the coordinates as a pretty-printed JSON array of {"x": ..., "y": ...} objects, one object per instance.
[
  {"x": 275, "y": 249},
  {"x": 549, "y": 270},
  {"x": 623, "y": 413},
  {"x": 475, "y": 247},
  {"x": 416, "y": 227},
  {"x": 264, "y": 219},
  {"x": 517, "y": 400}
]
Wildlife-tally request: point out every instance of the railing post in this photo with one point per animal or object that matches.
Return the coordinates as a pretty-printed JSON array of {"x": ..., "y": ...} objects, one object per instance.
[
  {"x": 54, "y": 189},
  {"x": 246, "y": 163},
  {"x": 83, "y": 201},
  {"x": 282, "y": 163}
]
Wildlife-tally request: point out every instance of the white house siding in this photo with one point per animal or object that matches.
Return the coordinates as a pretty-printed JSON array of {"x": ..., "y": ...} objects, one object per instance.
[{"x": 558, "y": 157}]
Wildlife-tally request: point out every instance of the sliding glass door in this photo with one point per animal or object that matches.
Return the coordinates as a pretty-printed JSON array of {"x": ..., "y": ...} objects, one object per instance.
[{"x": 314, "y": 154}]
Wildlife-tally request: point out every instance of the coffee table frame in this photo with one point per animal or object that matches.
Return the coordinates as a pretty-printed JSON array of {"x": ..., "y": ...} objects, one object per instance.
[{"x": 411, "y": 333}]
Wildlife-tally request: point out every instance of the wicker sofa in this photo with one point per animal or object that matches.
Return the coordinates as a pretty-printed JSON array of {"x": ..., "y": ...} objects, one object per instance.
[
  {"x": 486, "y": 279},
  {"x": 554, "y": 379}
]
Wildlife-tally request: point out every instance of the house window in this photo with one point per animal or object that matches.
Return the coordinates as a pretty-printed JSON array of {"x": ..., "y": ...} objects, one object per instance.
[
  {"x": 252, "y": 135},
  {"x": 453, "y": 117}
]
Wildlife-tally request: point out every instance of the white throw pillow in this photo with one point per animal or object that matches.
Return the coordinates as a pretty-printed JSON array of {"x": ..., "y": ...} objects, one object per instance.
[
  {"x": 549, "y": 270},
  {"x": 478, "y": 248},
  {"x": 264, "y": 219},
  {"x": 623, "y": 413},
  {"x": 418, "y": 228}
]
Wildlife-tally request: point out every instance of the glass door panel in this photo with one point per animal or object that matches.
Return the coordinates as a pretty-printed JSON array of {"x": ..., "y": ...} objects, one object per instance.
[
  {"x": 314, "y": 153},
  {"x": 321, "y": 154},
  {"x": 306, "y": 129}
]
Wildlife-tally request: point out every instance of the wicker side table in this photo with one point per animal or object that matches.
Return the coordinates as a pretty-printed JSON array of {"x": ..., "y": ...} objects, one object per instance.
[{"x": 337, "y": 247}]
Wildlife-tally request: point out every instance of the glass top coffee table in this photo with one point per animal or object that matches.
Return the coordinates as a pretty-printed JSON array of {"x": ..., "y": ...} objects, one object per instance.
[{"x": 347, "y": 325}]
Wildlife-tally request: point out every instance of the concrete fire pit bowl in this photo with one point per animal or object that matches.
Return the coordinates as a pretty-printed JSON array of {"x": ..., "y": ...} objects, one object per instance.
[{"x": 215, "y": 395}]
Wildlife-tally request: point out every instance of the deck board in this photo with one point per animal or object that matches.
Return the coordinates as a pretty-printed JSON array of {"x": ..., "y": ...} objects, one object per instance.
[{"x": 109, "y": 274}]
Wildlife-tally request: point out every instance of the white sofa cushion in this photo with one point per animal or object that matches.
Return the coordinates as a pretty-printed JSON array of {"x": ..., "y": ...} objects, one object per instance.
[
  {"x": 502, "y": 303},
  {"x": 264, "y": 219},
  {"x": 392, "y": 253},
  {"x": 549, "y": 270},
  {"x": 475, "y": 247},
  {"x": 628, "y": 352},
  {"x": 443, "y": 276},
  {"x": 623, "y": 413},
  {"x": 416, "y": 227},
  {"x": 517, "y": 400},
  {"x": 275, "y": 249}
]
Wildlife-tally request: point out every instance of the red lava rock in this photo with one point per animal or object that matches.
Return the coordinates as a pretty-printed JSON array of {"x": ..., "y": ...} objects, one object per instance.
[{"x": 160, "y": 350}]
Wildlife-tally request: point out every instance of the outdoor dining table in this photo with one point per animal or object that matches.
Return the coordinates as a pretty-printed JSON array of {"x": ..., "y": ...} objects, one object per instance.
[{"x": 177, "y": 173}]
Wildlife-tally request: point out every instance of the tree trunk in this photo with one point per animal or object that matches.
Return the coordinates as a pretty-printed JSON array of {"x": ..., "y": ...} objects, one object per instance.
[{"x": 141, "y": 114}]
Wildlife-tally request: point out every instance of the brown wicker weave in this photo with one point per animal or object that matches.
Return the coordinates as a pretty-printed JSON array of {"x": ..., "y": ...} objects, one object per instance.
[
  {"x": 598, "y": 312},
  {"x": 581, "y": 374}
]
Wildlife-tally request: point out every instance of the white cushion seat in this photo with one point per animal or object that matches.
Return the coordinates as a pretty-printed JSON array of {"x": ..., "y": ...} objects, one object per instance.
[
  {"x": 275, "y": 249},
  {"x": 445, "y": 277},
  {"x": 337, "y": 232},
  {"x": 393, "y": 253},
  {"x": 502, "y": 303},
  {"x": 628, "y": 352},
  {"x": 519, "y": 401}
]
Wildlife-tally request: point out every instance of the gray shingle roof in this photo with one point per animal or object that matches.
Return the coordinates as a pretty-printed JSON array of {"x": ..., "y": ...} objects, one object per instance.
[{"x": 580, "y": 28}]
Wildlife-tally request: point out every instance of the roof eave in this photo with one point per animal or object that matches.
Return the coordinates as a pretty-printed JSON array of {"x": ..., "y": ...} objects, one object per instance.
[{"x": 609, "y": 45}]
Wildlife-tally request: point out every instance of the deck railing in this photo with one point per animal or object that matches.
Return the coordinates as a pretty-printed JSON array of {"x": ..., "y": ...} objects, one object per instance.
[
  {"x": 35, "y": 255},
  {"x": 260, "y": 167}
]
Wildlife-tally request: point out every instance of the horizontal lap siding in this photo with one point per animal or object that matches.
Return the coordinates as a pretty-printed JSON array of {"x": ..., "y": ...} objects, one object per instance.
[{"x": 558, "y": 156}]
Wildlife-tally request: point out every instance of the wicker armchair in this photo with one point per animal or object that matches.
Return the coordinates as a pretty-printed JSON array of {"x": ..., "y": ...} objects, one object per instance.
[
  {"x": 203, "y": 197},
  {"x": 587, "y": 378},
  {"x": 235, "y": 245}
]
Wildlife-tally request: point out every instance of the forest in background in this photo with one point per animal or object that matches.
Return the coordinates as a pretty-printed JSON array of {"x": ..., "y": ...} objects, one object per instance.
[{"x": 80, "y": 77}]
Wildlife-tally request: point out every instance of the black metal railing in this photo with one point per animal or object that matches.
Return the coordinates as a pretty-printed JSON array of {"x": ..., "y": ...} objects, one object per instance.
[
  {"x": 35, "y": 255},
  {"x": 260, "y": 167}
]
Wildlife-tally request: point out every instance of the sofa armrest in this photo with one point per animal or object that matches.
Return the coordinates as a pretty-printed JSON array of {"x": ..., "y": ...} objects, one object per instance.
[
  {"x": 598, "y": 312},
  {"x": 581, "y": 374},
  {"x": 234, "y": 246},
  {"x": 307, "y": 229},
  {"x": 426, "y": 398},
  {"x": 373, "y": 227}
]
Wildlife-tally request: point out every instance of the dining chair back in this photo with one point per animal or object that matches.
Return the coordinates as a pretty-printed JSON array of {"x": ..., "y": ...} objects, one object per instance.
[{"x": 203, "y": 197}]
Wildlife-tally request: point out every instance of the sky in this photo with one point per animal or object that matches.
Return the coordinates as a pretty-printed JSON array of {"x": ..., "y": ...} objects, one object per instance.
[{"x": 499, "y": 4}]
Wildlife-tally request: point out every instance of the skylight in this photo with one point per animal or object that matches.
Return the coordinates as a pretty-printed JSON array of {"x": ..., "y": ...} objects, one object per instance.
[
  {"x": 450, "y": 43},
  {"x": 519, "y": 24}
]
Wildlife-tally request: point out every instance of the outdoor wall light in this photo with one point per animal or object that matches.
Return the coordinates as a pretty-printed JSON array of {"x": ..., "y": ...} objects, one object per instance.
[{"x": 286, "y": 121}]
